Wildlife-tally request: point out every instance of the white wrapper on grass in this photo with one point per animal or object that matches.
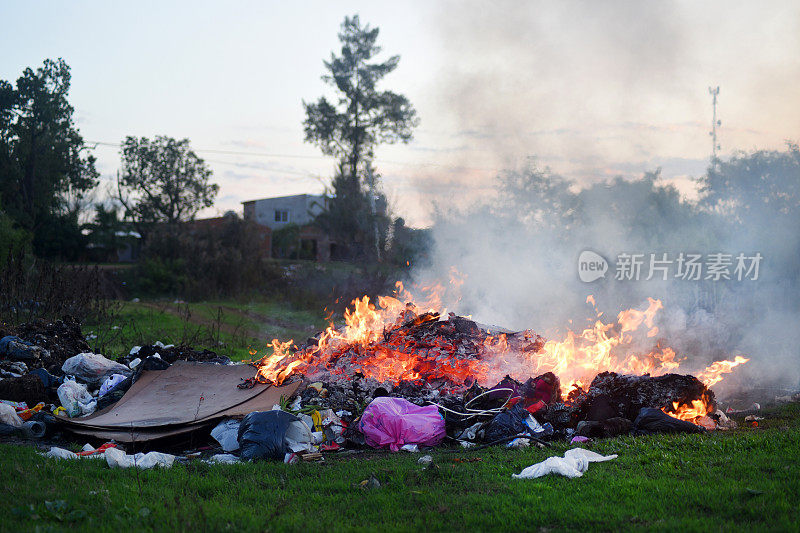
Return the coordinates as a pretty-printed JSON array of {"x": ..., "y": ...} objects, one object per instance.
[
  {"x": 574, "y": 463},
  {"x": 223, "y": 458},
  {"x": 119, "y": 459},
  {"x": 60, "y": 453}
]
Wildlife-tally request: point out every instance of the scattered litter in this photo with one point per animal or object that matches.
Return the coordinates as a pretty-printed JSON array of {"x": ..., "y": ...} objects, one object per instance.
[
  {"x": 519, "y": 443},
  {"x": 425, "y": 460},
  {"x": 119, "y": 459},
  {"x": 89, "y": 450},
  {"x": 223, "y": 458},
  {"x": 411, "y": 448},
  {"x": 370, "y": 483},
  {"x": 471, "y": 433},
  {"x": 16, "y": 405},
  {"x": 574, "y": 463},
  {"x": 578, "y": 439},
  {"x": 60, "y": 453}
]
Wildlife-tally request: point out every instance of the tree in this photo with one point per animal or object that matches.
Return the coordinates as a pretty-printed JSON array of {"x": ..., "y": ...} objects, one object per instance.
[
  {"x": 758, "y": 194},
  {"x": 762, "y": 183},
  {"x": 349, "y": 129},
  {"x": 162, "y": 180},
  {"x": 43, "y": 162}
]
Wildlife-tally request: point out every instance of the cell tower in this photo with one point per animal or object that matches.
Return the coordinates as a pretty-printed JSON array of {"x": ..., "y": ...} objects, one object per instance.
[{"x": 714, "y": 91}]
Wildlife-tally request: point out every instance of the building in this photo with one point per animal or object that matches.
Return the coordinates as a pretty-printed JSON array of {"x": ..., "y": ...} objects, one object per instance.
[
  {"x": 276, "y": 213},
  {"x": 290, "y": 213}
]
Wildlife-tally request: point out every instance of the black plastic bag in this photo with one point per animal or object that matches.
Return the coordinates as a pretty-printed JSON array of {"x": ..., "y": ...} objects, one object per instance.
[
  {"x": 262, "y": 435},
  {"x": 652, "y": 420},
  {"x": 507, "y": 424}
]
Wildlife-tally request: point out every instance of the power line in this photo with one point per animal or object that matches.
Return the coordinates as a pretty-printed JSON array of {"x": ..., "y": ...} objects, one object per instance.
[{"x": 314, "y": 157}]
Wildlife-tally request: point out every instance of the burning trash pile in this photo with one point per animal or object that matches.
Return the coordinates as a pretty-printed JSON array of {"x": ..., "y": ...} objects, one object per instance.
[
  {"x": 395, "y": 375},
  {"x": 396, "y": 369}
]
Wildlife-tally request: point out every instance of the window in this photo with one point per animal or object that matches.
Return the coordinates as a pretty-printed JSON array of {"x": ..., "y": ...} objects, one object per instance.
[{"x": 281, "y": 216}]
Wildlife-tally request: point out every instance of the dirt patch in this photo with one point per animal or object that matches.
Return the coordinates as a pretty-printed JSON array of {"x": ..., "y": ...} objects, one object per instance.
[
  {"x": 61, "y": 338},
  {"x": 28, "y": 389}
]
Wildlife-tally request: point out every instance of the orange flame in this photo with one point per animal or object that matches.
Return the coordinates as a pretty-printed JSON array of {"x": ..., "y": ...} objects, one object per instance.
[
  {"x": 373, "y": 343},
  {"x": 690, "y": 413},
  {"x": 713, "y": 373}
]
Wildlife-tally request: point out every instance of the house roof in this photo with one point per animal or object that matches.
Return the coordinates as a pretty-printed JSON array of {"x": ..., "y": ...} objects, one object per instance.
[{"x": 283, "y": 197}]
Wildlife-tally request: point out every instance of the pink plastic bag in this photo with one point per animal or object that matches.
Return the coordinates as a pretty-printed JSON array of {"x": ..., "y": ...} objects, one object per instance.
[{"x": 394, "y": 422}]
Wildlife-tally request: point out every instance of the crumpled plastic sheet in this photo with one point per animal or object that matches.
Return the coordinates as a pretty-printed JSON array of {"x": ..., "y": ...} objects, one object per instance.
[
  {"x": 93, "y": 368},
  {"x": 60, "y": 453},
  {"x": 227, "y": 434},
  {"x": 223, "y": 458},
  {"x": 111, "y": 382},
  {"x": 118, "y": 459},
  {"x": 574, "y": 463}
]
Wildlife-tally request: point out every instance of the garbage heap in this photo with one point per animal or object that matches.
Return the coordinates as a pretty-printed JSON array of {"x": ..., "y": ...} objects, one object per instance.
[
  {"x": 48, "y": 372},
  {"x": 425, "y": 379},
  {"x": 295, "y": 405}
]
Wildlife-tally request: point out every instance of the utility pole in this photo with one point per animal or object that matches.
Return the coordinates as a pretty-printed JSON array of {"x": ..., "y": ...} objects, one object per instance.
[
  {"x": 372, "y": 197},
  {"x": 714, "y": 91}
]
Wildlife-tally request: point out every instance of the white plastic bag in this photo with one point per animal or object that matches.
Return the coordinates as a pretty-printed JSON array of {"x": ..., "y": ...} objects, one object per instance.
[
  {"x": 119, "y": 459},
  {"x": 93, "y": 368},
  {"x": 110, "y": 383},
  {"x": 574, "y": 463},
  {"x": 75, "y": 399},
  {"x": 223, "y": 458},
  {"x": 60, "y": 453},
  {"x": 8, "y": 415},
  {"x": 227, "y": 434}
]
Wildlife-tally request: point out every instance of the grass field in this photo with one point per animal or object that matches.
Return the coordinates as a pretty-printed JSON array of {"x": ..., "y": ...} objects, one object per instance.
[
  {"x": 229, "y": 328},
  {"x": 748, "y": 479}
]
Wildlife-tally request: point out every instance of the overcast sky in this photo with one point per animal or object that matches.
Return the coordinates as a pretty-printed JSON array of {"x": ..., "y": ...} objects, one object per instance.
[{"x": 592, "y": 89}]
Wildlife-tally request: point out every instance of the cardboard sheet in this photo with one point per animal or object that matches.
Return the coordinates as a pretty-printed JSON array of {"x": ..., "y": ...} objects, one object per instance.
[{"x": 185, "y": 393}]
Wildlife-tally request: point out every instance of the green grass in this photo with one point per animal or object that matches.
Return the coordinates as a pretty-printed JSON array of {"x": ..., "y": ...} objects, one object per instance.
[
  {"x": 229, "y": 328},
  {"x": 747, "y": 479}
]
